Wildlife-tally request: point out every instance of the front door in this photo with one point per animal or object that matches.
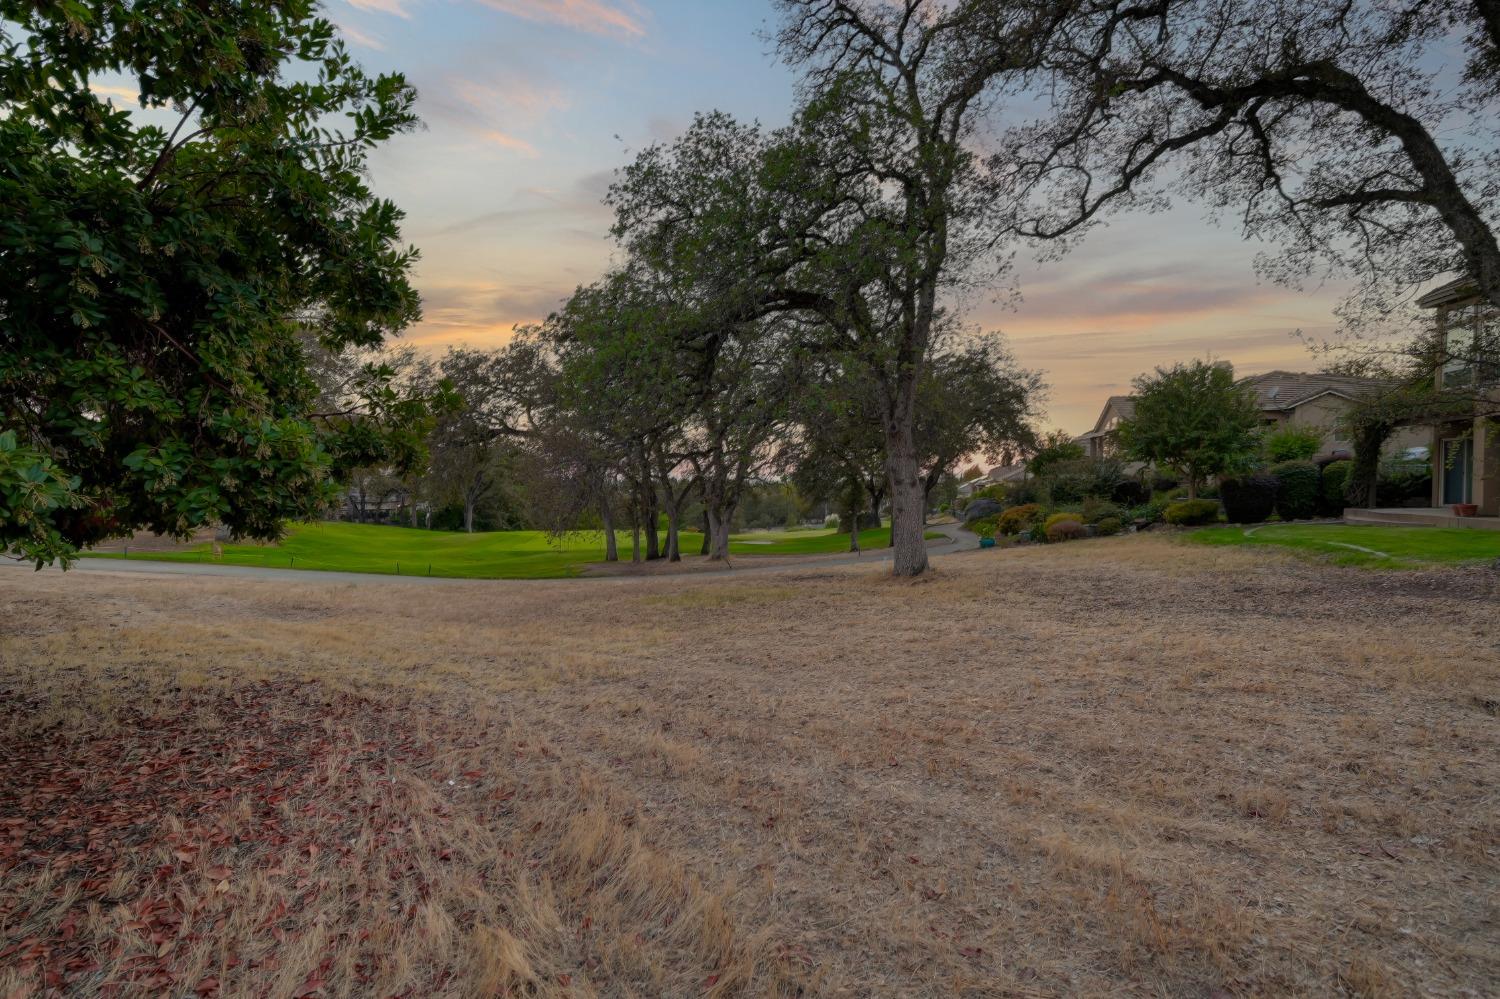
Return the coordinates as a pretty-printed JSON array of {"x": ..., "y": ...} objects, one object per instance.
[{"x": 1458, "y": 470}]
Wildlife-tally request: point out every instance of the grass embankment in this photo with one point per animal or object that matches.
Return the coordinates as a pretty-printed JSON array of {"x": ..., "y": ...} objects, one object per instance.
[
  {"x": 339, "y": 547},
  {"x": 1130, "y": 767},
  {"x": 1365, "y": 545}
]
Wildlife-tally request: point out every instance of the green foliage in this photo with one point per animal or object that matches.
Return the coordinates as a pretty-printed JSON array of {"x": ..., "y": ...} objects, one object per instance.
[
  {"x": 1248, "y": 499},
  {"x": 1335, "y": 480},
  {"x": 1058, "y": 446},
  {"x": 1192, "y": 513},
  {"x": 1066, "y": 530},
  {"x": 1298, "y": 487},
  {"x": 1077, "y": 480},
  {"x": 1150, "y": 512},
  {"x": 1018, "y": 518},
  {"x": 1291, "y": 443},
  {"x": 164, "y": 286},
  {"x": 1037, "y": 533},
  {"x": 1095, "y": 510},
  {"x": 985, "y": 527},
  {"x": 1403, "y": 482},
  {"x": 1109, "y": 526},
  {"x": 32, "y": 489},
  {"x": 1060, "y": 516},
  {"x": 1194, "y": 419}
]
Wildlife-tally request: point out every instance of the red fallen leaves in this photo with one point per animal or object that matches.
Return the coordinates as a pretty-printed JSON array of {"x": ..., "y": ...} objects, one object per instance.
[{"x": 85, "y": 817}]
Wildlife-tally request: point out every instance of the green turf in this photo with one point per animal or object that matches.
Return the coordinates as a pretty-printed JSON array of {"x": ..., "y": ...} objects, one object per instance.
[
  {"x": 1365, "y": 545},
  {"x": 339, "y": 547}
]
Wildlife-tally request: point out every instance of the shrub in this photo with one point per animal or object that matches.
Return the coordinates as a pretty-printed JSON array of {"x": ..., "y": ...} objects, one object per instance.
[
  {"x": 1401, "y": 482},
  {"x": 1036, "y": 532},
  {"x": 1062, "y": 515},
  {"x": 1150, "y": 512},
  {"x": 1298, "y": 486},
  {"x": 1248, "y": 499},
  {"x": 1192, "y": 513},
  {"x": 1109, "y": 526},
  {"x": 1066, "y": 530},
  {"x": 1335, "y": 478},
  {"x": 985, "y": 526},
  {"x": 1095, "y": 510},
  {"x": 1075, "y": 481},
  {"x": 1130, "y": 492},
  {"x": 1163, "y": 483},
  {"x": 832, "y": 523},
  {"x": 1292, "y": 444},
  {"x": 1018, "y": 518}
]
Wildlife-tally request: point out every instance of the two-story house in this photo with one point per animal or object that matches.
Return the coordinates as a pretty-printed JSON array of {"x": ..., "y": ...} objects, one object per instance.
[{"x": 1466, "y": 451}]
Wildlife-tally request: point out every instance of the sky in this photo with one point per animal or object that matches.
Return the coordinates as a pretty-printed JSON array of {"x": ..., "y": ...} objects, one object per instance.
[{"x": 529, "y": 106}]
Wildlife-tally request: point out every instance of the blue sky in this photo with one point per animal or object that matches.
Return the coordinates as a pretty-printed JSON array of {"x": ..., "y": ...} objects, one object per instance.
[{"x": 530, "y": 105}]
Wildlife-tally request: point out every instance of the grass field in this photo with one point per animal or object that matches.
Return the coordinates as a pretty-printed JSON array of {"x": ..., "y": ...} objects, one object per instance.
[
  {"x": 1125, "y": 767},
  {"x": 1365, "y": 545},
  {"x": 340, "y": 547}
]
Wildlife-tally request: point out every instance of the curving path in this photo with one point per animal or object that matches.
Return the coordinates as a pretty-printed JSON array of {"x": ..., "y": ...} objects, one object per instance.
[{"x": 958, "y": 540}]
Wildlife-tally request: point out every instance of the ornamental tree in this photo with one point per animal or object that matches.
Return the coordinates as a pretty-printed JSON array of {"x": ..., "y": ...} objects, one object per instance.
[
  {"x": 167, "y": 270},
  {"x": 1193, "y": 418}
]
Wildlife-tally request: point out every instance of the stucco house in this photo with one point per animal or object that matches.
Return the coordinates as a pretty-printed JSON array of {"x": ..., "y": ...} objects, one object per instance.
[
  {"x": 1466, "y": 451},
  {"x": 1285, "y": 398}
]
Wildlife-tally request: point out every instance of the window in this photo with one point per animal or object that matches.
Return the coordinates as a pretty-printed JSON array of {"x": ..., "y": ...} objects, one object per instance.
[{"x": 1470, "y": 353}]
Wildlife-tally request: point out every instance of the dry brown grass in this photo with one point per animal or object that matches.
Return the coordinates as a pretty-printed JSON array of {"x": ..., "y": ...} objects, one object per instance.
[{"x": 1120, "y": 767}]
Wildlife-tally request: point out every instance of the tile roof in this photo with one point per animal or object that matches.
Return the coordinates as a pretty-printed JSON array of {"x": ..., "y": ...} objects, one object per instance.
[{"x": 1282, "y": 390}]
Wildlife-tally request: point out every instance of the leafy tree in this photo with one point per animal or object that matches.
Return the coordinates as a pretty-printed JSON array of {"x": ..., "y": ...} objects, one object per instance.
[
  {"x": 1055, "y": 448},
  {"x": 156, "y": 281},
  {"x": 1194, "y": 419},
  {"x": 1341, "y": 131},
  {"x": 1291, "y": 443}
]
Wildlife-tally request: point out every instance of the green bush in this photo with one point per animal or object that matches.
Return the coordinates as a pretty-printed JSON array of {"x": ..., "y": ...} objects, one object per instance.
[
  {"x": 1150, "y": 512},
  {"x": 1095, "y": 510},
  {"x": 1066, "y": 530},
  {"x": 985, "y": 526},
  {"x": 1248, "y": 499},
  {"x": 1075, "y": 481},
  {"x": 1109, "y": 526},
  {"x": 1131, "y": 492},
  {"x": 1401, "y": 481},
  {"x": 1027, "y": 491},
  {"x": 1036, "y": 532},
  {"x": 1298, "y": 487},
  {"x": 1292, "y": 444},
  {"x": 1335, "y": 478},
  {"x": 1018, "y": 518},
  {"x": 1192, "y": 513}
]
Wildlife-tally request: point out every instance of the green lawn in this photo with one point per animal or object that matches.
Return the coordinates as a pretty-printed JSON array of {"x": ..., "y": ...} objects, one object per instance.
[
  {"x": 342, "y": 547},
  {"x": 1365, "y": 545}
]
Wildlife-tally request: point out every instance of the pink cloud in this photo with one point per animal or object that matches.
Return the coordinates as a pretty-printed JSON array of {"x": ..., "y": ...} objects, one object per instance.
[
  {"x": 599, "y": 17},
  {"x": 506, "y": 141},
  {"x": 393, "y": 7}
]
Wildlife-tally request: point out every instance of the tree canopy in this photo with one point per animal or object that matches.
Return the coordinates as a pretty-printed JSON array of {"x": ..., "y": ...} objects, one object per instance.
[
  {"x": 1194, "y": 418},
  {"x": 164, "y": 269}
]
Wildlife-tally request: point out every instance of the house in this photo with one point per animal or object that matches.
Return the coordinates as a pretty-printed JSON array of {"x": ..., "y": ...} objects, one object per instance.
[
  {"x": 1466, "y": 451},
  {"x": 995, "y": 476},
  {"x": 1285, "y": 398},
  {"x": 1100, "y": 441}
]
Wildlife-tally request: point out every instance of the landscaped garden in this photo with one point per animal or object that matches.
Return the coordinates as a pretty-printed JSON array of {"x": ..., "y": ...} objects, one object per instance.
[{"x": 341, "y": 547}]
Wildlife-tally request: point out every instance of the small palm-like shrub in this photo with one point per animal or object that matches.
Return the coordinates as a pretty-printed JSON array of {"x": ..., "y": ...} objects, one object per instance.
[
  {"x": 1298, "y": 487},
  {"x": 1018, "y": 518},
  {"x": 1037, "y": 532},
  {"x": 1192, "y": 513},
  {"x": 1066, "y": 530},
  {"x": 1109, "y": 526},
  {"x": 1248, "y": 499}
]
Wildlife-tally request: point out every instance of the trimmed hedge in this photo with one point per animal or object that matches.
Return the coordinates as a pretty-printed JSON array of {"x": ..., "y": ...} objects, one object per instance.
[
  {"x": 1109, "y": 526},
  {"x": 1335, "y": 478},
  {"x": 1192, "y": 513},
  {"x": 1248, "y": 499},
  {"x": 1062, "y": 515},
  {"x": 1299, "y": 486}
]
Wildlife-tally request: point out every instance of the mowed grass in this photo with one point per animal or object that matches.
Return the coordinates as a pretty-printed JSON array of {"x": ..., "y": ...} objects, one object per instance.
[
  {"x": 1365, "y": 545},
  {"x": 369, "y": 548},
  {"x": 1069, "y": 770}
]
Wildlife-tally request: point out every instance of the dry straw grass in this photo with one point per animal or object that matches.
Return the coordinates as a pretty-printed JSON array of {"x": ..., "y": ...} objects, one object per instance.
[{"x": 1122, "y": 767}]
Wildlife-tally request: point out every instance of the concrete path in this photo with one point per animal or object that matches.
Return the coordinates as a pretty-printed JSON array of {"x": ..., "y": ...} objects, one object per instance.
[{"x": 958, "y": 540}]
